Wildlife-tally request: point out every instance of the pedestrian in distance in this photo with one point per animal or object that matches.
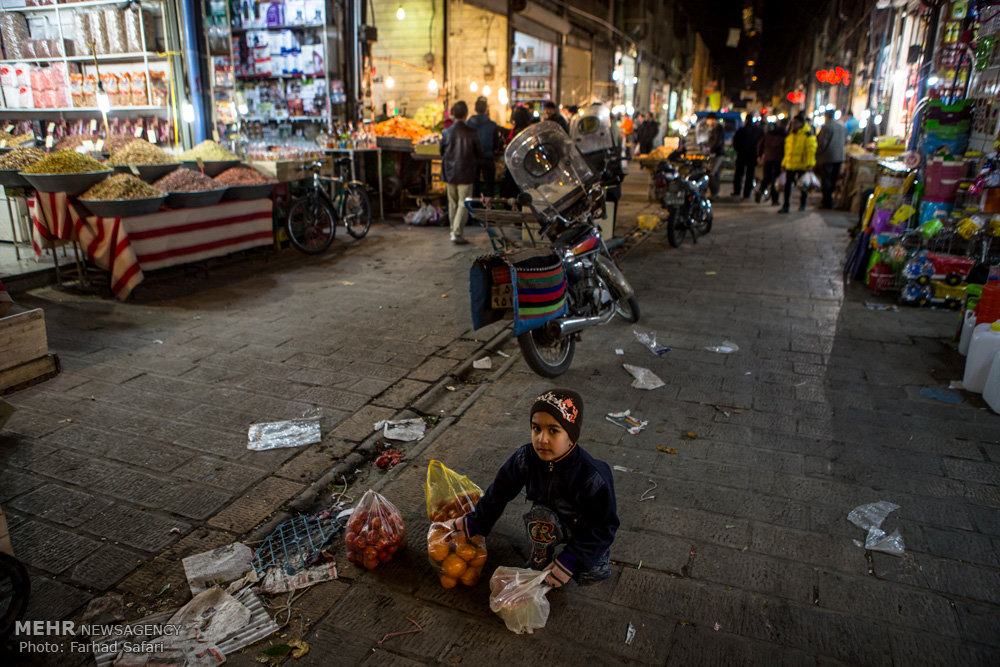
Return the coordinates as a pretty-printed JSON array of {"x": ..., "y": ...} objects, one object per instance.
[
  {"x": 552, "y": 113},
  {"x": 716, "y": 145},
  {"x": 800, "y": 157},
  {"x": 521, "y": 118},
  {"x": 830, "y": 143},
  {"x": 573, "y": 495},
  {"x": 461, "y": 156},
  {"x": 851, "y": 124},
  {"x": 646, "y": 134},
  {"x": 491, "y": 142},
  {"x": 770, "y": 151},
  {"x": 745, "y": 142}
]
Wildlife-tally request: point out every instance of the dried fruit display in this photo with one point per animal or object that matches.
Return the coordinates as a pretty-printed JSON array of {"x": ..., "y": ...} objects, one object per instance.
[
  {"x": 141, "y": 152},
  {"x": 243, "y": 176},
  {"x": 118, "y": 187},
  {"x": 187, "y": 180},
  {"x": 65, "y": 162},
  {"x": 19, "y": 158},
  {"x": 208, "y": 151},
  {"x": 375, "y": 532},
  {"x": 402, "y": 128}
]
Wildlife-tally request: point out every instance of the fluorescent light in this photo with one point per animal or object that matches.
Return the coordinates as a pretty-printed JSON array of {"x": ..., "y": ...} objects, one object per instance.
[
  {"x": 242, "y": 109},
  {"x": 863, "y": 123},
  {"x": 771, "y": 119},
  {"x": 781, "y": 116},
  {"x": 502, "y": 96},
  {"x": 878, "y": 119},
  {"x": 635, "y": 79},
  {"x": 837, "y": 114}
]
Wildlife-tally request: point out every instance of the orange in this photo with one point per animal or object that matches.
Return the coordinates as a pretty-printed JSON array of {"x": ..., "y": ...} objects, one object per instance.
[
  {"x": 466, "y": 552},
  {"x": 453, "y": 566},
  {"x": 470, "y": 577},
  {"x": 448, "y": 582},
  {"x": 438, "y": 551},
  {"x": 480, "y": 558}
]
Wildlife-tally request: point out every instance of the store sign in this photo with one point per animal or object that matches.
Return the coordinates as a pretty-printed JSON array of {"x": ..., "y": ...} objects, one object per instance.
[
  {"x": 796, "y": 97},
  {"x": 834, "y": 76}
]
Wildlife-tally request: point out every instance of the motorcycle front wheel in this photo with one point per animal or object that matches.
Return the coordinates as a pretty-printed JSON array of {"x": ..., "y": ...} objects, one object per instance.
[
  {"x": 549, "y": 356},
  {"x": 676, "y": 230}
]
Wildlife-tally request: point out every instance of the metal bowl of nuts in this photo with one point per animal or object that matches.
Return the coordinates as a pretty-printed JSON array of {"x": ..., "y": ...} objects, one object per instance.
[
  {"x": 123, "y": 208},
  {"x": 195, "y": 199},
  {"x": 258, "y": 191},
  {"x": 212, "y": 168},
  {"x": 71, "y": 184},
  {"x": 147, "y": 172}
]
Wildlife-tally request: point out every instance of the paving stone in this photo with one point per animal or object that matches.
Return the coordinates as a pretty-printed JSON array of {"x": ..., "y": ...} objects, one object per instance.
[
  {"x": 193, "y": 501},
  {"x": 59, "y": 504},
  {"x": 51, "y": 600},
  {"x": 755, "y": 572},
  {"x": 255, "y": 505},
  {"x": 706, "y": 646},
  {"x": 332, "y": 398},
  {"x": 365, "y": 369},
  {"x": 135, "y": 528},
  {"x": 913, "y": 648},
  {"x": 315, "y": 461},
  {"x": 685, "y": 600},
  {"x": 432, "y": 369},
  {"x": 961, "y": 545},
  {"x": 156, "y": 455},
  {"x": 105, "y": 567},
  {"x": 361, "y": 424},
  {"x": 71, "y": 467},
  {"x": 50, "y": 549},
  {"x": 13, "y": 484},
  {"x": 220, "y": 473}
]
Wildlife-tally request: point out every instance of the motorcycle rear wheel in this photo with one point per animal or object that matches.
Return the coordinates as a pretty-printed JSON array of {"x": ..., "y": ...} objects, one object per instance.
[
  {"x": 546, "y": 355},
  {"x": 701, "y": 219}
]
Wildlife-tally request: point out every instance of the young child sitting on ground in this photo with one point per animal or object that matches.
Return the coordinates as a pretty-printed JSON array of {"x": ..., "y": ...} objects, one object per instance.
[{"x": 573, "y": 495}]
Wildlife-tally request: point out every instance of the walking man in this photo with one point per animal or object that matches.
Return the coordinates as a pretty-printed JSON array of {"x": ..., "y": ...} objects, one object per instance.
[
  {"x": 716, "y": 148},
  {"x": 770, "y": 150},
  {"x": 830, "y": 144},
  {"x": 490, "y": 143},
  {"x": 461, "y": 156},
  {"x": 745, "y": 142}
]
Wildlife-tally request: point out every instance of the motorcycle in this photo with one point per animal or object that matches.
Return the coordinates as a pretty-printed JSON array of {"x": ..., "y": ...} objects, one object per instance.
[
  {"x": 570, "y": 282},
  {"x": 681, "y": 186}
]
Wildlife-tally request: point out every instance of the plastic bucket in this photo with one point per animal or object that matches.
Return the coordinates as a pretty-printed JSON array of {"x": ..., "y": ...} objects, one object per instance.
[{"x": 988, "y": 308}]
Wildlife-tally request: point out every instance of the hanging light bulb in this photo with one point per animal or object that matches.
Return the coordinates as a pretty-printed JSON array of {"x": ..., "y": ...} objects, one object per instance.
[
  {"x": 389, "y": 81},
  {"x": 432, "y": 86},
  {"x": 502, "y": 96},
  {"x": 486, "y": 91},
  {"x": 400, "y": 13},
  {"x": 187, "y": 112},
  {"x": 473, "y": 86}
]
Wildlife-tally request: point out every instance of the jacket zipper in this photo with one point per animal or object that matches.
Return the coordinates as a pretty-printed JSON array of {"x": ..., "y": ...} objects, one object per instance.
[{"x": 548, "y": 492}]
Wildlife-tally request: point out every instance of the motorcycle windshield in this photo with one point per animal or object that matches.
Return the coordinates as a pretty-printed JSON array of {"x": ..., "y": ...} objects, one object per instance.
[
  {"x": 592, "y": 131},
  {"x": 546, "y": 165}
]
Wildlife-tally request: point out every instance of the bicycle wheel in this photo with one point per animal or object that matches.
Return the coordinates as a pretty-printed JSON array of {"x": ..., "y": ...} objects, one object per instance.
[
  {"x": 357, "y": 210},
  {"x": 311, "y": 225}
]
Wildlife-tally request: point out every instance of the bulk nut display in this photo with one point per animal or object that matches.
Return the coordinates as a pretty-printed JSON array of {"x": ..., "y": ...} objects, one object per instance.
[
  {"x": 19, "y": 158},
  {"x": 208, "y": 151},
  {"x": 187, "y": 180},
  {"x": 141, "y": 152},
  {"x": 242, "y": 176},
  {"x": 118, "y": 187},
  {"x": 65, "y": 162}
]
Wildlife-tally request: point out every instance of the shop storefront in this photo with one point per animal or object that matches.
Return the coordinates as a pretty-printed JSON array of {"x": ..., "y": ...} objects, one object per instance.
[{"x": 532, "y": 72}]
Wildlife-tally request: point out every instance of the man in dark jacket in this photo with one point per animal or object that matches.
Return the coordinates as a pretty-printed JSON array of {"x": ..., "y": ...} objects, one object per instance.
[
  {"x": 491, "y": 143},
  {"x": 461, "y": 156},
  {"x": 770, "y": 150},
  {"x": 646, "y": 134},
  {"x": 830, "y": 144},
  {"x": 552, "y": 113},
  {"x": 745, "y": 142},
  {"x": 716, "y": 148}
]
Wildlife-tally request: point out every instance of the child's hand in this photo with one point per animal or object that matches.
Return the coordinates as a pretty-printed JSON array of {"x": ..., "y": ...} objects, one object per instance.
[
  {"x": 557, "y": 576},
  {"x": 458, "y": 525}
]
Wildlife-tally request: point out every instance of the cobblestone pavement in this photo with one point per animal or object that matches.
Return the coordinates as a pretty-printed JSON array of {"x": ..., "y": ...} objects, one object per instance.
[{"x": 744, "y": 556}]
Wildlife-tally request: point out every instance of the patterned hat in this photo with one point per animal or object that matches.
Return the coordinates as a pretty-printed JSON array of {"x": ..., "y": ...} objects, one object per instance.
[{"x": 565, "y": 406}]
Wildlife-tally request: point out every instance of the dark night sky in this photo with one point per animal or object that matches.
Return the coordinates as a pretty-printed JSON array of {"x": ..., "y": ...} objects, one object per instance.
[{"x": 785, "y": 21}]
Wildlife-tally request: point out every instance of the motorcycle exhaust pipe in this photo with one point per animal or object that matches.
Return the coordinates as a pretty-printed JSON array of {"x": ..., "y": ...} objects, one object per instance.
[{"x": 572, "y": 325}]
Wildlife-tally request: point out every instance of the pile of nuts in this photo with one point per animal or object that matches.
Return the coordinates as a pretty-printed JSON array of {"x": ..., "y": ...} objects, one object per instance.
[
  {"x": 242, "y": 176},
  {"x": 119, "y": 187},
  {"x": 65, "y": 162},
  {"x": 187, "y": 180}
]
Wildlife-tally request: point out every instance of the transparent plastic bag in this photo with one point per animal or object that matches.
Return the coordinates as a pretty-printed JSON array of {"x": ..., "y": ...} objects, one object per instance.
[
  {"x": 114, "y": 19},
  {"x": 14, "y": 35},
  {"x": 870, "y": 517},
  {"x": 375, "y": 532},
  {"x": 808, "y": 181},
  {"x": 648, "y": 340},
  {"x": 98, "y": 32},
  {"x": 518, "y": 597},
  {"x": 779, "y": 182},
  {"x": 449, "y": 495},
  {"x": 82, "y": 37},
  {"x": 644, "y": 378},
  {"x": 455, "y": 558}
]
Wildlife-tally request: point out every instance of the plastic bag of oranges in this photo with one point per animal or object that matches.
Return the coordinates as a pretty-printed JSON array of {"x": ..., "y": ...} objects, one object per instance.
[
  {"x": 456, "y": 559},
  {"x": 375, "y": 532},
  {"x": 449, "y": 495}
]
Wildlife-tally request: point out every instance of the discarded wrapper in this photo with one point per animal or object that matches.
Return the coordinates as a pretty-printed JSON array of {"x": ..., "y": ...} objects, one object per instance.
[
  {"x": 644, "y": 378},
  {"x": 626, "y": 421},
  {"x": 214, "y": 615},
  {"x": 943, "y": 395},
  {"x": 870, "y": 305},
  {"x": 619, "y": 352},
  {"x": 870, "y": 518},
  {"x": 629, "y": 635},
  {"x": 220, "y": 565},
  {"x": 405, "y": 430},
  {"x": 727, "y": 347},
  {"x": 483, "y": 364},
  {"x": 291, "y": 433},
  {"x": 649, "y": 341}
]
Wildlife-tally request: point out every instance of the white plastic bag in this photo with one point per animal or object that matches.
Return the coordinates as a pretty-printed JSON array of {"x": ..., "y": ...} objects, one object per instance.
[
  {"x": 779, "y": 182},
  {"x": 808, "y": 181},
  {"x": 518, "y": 597}
]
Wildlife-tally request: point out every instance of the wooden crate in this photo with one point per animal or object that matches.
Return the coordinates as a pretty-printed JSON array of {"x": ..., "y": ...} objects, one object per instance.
[{"x": 26, "y": 357}]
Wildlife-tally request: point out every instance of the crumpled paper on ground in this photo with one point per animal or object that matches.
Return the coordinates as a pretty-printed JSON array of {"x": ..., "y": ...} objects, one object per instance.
[
  {"x": 644, "y": 378},
  {"x": 870, "y": 517},
  {"x": 278, "y": 581},
  {"x": 405, "y": 430},
  {"x": 224, "y": 564}
]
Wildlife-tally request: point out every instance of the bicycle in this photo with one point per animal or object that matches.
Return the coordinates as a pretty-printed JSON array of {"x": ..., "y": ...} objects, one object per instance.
[{"x": 312, "y": 218}]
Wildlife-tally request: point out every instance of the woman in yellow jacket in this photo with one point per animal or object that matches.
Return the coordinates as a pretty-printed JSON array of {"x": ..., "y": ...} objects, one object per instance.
[{"x": 800, "y": 156}]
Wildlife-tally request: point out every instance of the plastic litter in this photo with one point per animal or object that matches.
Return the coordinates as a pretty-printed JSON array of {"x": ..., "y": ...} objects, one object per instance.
[
  {"x": 405, "y": 632},
  {"x": 296, "y": 543},
  {"x": 943, "y": 395},
  {"x": 645, "y": 494},
  {"x": 620, "y": 352},
  {"x": 649, "y": 341},
  {"x": 956, "y": 384},
  {"x": 299, "y": 648},
  {"x": 405, "y": 430},
  {"x": 727, "y": 347},
  {"x": 278, "y": 581},
  {"x": 503, "y": 354},
  {"x": 517, "y": 596},
  {"x": 870, "y": 517},
  {"x": 220, "y": 565},
  {"x": 623, "y": 469},
  {"x": 644, "y": 378},
  {"x": 881, "y": 306},
  {"x": 627, "y": 422},
  {"x": 290, "y": 433},
  {"x": 483, "y": 364},
  {"x": 629, "y": 635}
]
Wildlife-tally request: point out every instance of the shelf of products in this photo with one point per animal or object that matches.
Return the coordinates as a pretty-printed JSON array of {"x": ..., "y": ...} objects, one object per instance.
[{"x": 531, "y": 71}]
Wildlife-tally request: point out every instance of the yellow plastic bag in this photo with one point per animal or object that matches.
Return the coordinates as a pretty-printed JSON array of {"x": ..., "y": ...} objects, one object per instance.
[{"x": 449, "y": 495}]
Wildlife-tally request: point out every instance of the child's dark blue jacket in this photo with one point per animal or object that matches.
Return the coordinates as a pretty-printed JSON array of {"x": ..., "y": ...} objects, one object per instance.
[{"x": 577, "y": 487}]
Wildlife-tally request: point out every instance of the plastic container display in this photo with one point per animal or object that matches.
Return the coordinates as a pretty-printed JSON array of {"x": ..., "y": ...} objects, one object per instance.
[
  {"x": 968, "y": 324},
  {"x": 991, "y": 392},
  {"x": 982, "y": 350},
  {"x": 988, "y": 308}
]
